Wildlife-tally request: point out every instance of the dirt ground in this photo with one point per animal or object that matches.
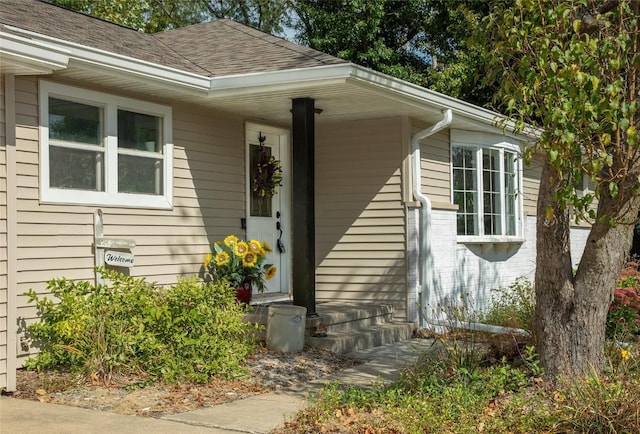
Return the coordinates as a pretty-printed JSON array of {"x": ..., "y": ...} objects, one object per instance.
[{"x": 133, "y": 395}]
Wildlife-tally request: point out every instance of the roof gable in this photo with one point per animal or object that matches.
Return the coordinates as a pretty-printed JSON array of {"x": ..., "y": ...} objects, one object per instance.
[
  {"x": 216, "y": 48},
  {"x": 224, "y": 47}
]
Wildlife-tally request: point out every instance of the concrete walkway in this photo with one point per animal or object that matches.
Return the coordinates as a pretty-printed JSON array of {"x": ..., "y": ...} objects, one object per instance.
[{"x": 257, "y": 414}]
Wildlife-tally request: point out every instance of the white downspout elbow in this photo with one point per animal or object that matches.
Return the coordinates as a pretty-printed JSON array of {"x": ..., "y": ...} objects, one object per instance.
[{"x": 424, "y": 231}]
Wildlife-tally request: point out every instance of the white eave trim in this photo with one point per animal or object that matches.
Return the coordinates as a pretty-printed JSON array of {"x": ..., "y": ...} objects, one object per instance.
[
  {"x": 412, "y": 92},
  {"x": 32, "y": 55},
  {"x": 126, "y": 65},
  {"x": 408, "y": 93},
  {"x": 261, "y": 82}
]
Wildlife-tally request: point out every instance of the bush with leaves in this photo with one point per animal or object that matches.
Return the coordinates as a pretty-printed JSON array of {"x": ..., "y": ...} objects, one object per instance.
[
  {"x": 512, "y": 306},
  {"x": 190, "y": 331}
]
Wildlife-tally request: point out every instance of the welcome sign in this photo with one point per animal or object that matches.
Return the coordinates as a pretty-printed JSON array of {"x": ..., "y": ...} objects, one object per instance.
[{"x": 119, "y": 259}]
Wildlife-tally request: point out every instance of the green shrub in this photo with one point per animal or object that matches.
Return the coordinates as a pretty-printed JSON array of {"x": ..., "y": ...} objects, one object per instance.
[
  {"x": 189, "y": 331},
  {"x": 512, "y": 306}
]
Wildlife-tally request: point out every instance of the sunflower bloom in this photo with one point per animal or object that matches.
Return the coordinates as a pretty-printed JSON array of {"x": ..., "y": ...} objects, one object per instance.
[
  {"x": 207, "y": 260},
  {"x": 624, "y": 354},
  {"x": 231, "y": 241},
  {"x": 266, "y": 247},
  {"x": 271, "y": 271},
  {"x": 249, "y": 260},
  {"x": 255, "y": 246},
  {"x": 222, "y": 258},
  {"x": 240, "y": 249}
]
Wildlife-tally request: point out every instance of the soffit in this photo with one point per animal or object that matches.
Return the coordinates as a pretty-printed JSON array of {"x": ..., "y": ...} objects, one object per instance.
[{"x": 340, "y": 100}]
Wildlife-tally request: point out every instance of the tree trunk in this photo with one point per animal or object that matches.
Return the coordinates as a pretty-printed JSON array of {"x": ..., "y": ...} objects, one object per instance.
[{"x": 571, "y": 311}]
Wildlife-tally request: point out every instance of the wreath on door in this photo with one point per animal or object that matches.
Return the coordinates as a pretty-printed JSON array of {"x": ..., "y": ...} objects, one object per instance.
[{"x": 268, "y": 174}]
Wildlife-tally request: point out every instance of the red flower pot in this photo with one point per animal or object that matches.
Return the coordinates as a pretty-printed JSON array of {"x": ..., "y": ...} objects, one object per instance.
[{"x": 243, "y": 292}]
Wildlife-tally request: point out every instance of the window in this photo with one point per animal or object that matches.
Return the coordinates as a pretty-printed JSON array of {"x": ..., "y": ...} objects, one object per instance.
[
  {"x": 486, "y": 180},
  {"x": 99, "y": 149}
]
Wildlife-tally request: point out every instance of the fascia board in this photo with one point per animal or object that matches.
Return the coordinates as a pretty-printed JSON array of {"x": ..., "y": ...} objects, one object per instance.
[
  {"x": 291, "y": 79},
  {"x": 461, "y": 109},
  {"x": 123, "y": 64},
  {"x": 409, "y": 91},
  {"x": 26, "y": 52}
]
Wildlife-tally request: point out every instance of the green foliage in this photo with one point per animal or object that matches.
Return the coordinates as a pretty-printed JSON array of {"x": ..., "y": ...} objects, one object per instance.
[
  {"x": 532, "y": 362},
  {"x": 512, "y": 306},
  {"x": 155, "y": 16},
  {"x": 571, "y": 68},
  {"x": 190, "y": 331},
  {"x": 130, "y": 13},
  {"x": 426, "y": 42}
]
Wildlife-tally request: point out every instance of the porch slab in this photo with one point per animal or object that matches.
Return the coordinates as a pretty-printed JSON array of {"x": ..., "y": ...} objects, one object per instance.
[{"x": 348, "y": 326}]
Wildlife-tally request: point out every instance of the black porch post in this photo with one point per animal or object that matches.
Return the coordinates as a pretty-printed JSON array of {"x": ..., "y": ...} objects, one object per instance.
[{"x": 303, "y": 201}]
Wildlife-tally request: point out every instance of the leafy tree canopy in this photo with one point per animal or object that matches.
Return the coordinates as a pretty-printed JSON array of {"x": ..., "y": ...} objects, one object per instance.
[
  {"x": 572, "y": 68},
  {"x": 151, "y": 16},
  {"x": 422, "y": 41}
]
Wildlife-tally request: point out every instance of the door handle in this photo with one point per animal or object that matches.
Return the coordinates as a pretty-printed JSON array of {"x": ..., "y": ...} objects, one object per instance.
[{"x": 279, "y": 243}]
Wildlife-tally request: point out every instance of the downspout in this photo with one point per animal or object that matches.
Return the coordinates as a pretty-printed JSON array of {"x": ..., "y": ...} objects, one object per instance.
[
  {"x": 424, "y": 249},
  {"x": 424, "y": 224}
]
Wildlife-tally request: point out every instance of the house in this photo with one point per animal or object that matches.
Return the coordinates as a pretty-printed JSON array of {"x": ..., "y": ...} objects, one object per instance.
[{"x": 143, "y": 144}]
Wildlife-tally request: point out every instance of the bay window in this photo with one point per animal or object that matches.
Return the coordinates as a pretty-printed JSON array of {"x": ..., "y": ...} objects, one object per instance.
[
  {"x": 100, "y": 149},
  {"x": 485, "y": 186}
]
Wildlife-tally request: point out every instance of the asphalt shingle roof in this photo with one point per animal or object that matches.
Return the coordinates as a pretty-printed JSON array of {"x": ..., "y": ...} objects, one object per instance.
[{"x": 217, "y": 48}]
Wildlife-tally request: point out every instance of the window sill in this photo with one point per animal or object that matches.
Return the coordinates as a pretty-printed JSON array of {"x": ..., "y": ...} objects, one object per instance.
[
  {"x": 497, "y": 244},
  {"x": 92, "y": 198}
]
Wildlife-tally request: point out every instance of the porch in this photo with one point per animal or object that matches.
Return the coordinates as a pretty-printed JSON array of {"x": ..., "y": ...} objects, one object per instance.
[{"x": 349, "y": 327}]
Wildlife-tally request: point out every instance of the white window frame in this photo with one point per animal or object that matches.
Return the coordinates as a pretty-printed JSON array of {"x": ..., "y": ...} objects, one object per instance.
[
  {"x": 110, "y": 105},
  {"x": 479, "y": 141}
]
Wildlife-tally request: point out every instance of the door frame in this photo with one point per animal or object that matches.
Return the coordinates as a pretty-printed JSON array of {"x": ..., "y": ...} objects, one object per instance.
[{"x": 284, "y": 193}]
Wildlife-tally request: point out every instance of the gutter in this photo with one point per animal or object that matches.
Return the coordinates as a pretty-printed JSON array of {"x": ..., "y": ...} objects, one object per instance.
[{"x": 31, "y": 54}]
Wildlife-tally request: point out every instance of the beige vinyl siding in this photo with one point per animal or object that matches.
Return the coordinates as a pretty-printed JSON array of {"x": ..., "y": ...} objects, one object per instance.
[
  {"x": 435, "y": 166},
  {"x": 208, "y": 197},
  {"x": 3, "y": 240},
  {"x": 360, "y": 219},
  {"x": 530, "y": 185}
]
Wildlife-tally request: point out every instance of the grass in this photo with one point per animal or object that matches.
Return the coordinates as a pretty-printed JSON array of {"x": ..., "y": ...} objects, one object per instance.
[{"x": 459, "y": 390}]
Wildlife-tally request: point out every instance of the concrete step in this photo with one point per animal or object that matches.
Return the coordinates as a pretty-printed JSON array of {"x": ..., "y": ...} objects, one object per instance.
[
  {"x": 347, "y": 341},
  {"x": 339, "y": 317}
]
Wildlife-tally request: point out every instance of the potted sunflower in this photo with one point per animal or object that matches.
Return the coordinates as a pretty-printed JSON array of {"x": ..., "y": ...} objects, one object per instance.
[{"x": 241, "y": 263}]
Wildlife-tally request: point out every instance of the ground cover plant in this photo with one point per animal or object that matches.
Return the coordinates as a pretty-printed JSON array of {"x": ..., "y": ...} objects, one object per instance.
[
  {"x": 190, "y": 331},
  {"x": 440, "y": 394}
]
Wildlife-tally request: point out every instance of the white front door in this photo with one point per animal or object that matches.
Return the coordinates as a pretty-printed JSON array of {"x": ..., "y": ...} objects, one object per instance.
[{"x": 268, "y": 218}]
